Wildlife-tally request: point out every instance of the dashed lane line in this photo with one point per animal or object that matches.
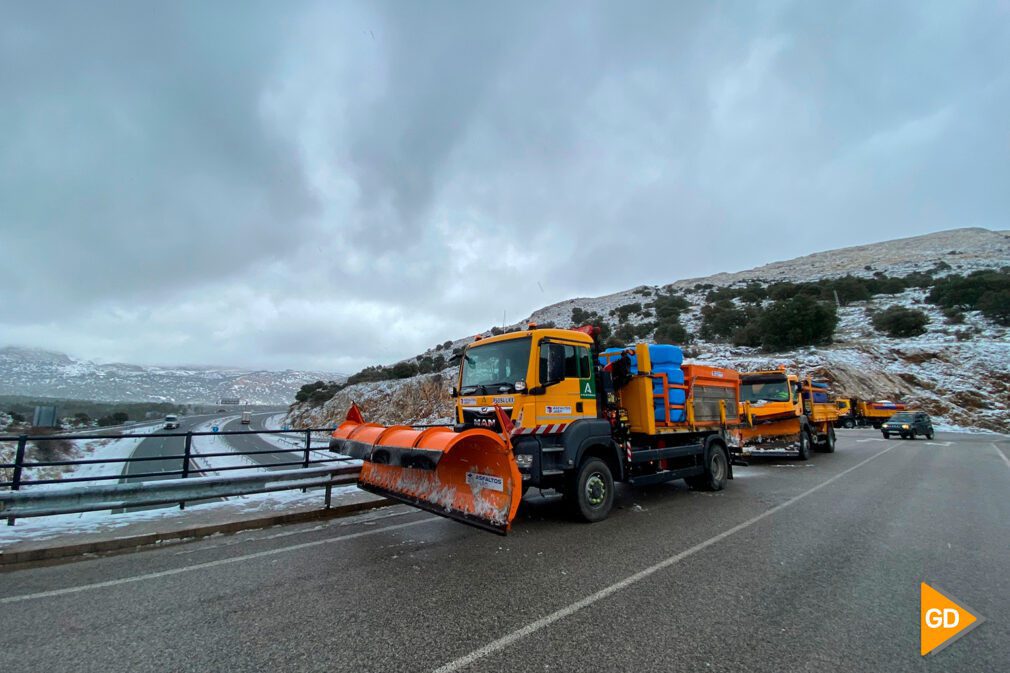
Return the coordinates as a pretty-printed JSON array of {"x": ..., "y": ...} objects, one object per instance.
[{"x": 543, "y": 622}]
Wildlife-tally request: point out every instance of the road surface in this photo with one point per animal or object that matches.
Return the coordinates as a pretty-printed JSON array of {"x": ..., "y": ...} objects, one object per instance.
[
  {"x": 274, "y": 460},
  {"x": 159, "y": 443},
  {"x": 794, "y": 567}
]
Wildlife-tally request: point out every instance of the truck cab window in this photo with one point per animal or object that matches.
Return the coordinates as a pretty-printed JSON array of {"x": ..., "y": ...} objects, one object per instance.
[{"x": 585, "y": 363}]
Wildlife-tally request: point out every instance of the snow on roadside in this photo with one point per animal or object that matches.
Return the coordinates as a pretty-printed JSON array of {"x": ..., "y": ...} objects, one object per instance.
[
  {"x": 210, "y": 466},
  {"x": 47, "y": 527},
  {"x": 86, "y": 449},
  {"x": 295, "y": 440}
]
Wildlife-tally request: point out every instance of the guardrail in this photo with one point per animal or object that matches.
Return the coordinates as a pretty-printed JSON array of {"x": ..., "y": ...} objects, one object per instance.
[
  {"x": 138, "y": 494},
  {"x": 136, "y": 488}
]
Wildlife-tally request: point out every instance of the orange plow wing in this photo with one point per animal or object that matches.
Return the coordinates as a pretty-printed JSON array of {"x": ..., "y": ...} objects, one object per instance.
[{"x": 470, "y": 476}]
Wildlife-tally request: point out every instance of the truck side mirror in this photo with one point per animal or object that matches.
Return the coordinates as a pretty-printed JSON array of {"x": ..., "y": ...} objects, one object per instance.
[{"x": 453, "y": 392}]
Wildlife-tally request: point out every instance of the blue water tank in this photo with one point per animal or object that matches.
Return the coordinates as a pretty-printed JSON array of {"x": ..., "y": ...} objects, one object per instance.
[{"x": 665, "y": 354}]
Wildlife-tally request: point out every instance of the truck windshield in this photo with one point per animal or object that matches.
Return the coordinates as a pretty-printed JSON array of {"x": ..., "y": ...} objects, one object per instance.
[
  {"x": 495, "y": 365},
  {"x": 765, "y": 391}
]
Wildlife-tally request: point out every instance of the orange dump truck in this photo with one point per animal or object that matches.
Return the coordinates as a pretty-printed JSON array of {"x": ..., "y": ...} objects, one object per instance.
[
  {"x": 544, "y": 408},
  {"x": 853, "y": 412},
  {"x": 784, "y": 415}
]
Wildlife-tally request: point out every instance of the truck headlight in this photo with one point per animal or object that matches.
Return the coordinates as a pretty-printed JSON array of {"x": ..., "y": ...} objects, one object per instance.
[
  {"x": 524, "y": 460},
  {"x": 904, "y": 427}
]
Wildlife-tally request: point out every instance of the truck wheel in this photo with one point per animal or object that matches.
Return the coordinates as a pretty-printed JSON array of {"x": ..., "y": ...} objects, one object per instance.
[
  {"x": 887, "y": 435},
  {"x": 829, "y": 441},
  {"x": 804, "y": 445},
  {"x": 716, "y": 472},
  {"x": 849, "y": 423},
  {"x": 929, "y": 434},
  {"x": 590, "y": 493}
]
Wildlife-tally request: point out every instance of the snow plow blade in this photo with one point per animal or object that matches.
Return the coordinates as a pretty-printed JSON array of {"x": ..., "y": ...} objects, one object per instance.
[{"x": 469, "y": 476}]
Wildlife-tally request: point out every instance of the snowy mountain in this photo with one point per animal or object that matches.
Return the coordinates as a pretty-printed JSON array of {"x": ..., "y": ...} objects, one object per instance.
[
  {"x": 27, "y": 371},
  {"x": 956, "y": 371}
]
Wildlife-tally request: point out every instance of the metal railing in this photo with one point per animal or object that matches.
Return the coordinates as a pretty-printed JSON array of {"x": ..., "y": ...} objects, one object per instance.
[
  {"x": 15, "y": 504},
  {"x": 302, "y": 457}
]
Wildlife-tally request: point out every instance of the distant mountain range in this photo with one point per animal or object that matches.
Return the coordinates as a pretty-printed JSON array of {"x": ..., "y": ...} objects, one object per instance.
[{"x": 30, "y": 371}]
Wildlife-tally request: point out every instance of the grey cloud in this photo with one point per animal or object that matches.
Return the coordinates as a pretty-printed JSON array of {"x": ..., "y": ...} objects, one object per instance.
[{"x": 310, "y": 183}]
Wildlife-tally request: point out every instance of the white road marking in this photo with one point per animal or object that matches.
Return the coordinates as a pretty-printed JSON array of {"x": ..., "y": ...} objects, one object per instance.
[
  {"x": 547, "y": 620},
  {"x": 1006, "y": 461},
  {"x": 939, "y": 443},
  {"x": 209, "y": 564},
  {"x": 872, "y": 439}
]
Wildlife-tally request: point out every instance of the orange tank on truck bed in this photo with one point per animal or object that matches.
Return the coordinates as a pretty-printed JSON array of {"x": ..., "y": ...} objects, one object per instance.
[
  {"x": 784, "y": 415},
  {"x": 543, "y": 408}
]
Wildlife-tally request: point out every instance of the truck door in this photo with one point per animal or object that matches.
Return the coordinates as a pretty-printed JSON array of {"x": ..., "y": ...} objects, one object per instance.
[{"x": 562, "y": 400}]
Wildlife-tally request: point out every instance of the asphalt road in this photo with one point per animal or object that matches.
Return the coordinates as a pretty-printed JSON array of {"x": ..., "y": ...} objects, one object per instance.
[
  {"x": 274, "y": 460},
  {"x": 795, "y": 567},
  {"x": 160, "y": 443}
]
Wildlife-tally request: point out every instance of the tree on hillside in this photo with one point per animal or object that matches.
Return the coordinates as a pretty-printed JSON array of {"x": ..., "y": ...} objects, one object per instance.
[
  {"x": 800, "y": 321},
  {"x": 996, "y": 306},
  {"x": 721, "y": 320},
  {"x": 901, "y": 322}
]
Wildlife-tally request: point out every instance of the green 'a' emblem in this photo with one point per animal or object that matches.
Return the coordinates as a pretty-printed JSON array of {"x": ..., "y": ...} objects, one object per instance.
[{"x": 587, "y": 389}]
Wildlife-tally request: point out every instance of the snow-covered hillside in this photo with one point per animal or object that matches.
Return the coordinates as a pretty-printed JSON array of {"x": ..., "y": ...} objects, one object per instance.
[
  {"x": 960, "y": 373},
  {"x": 26, "y": 371}
]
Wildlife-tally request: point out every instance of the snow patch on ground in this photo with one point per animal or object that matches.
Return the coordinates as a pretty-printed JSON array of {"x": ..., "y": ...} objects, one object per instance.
[
  {"x": 47, "y": 527},
  {"x": 81, "y": 449}
]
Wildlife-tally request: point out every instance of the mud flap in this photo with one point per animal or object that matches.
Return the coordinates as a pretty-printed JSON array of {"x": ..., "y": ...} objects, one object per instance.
[{"x": 469, "y": 476}]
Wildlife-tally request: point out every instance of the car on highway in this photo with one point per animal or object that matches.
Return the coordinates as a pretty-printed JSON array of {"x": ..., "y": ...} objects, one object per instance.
[
  {"x": 171, "y": 421},
  {"x": 908, "y": 424}
]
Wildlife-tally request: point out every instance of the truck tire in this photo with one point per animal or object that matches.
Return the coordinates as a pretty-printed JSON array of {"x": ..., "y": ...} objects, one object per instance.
[
  {"x": 929, "y": 434},
  {"x": 887, "y": 435},
  {"x": 590, "y": 491},
  {"x": 716, "y": 471},
  {"x": 849, "y": 423},
  {"x": 804, "y": 444},
  {"x": 829, "y": 441}
]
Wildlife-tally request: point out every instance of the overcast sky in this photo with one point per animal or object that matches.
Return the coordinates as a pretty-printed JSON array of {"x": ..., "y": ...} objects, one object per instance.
[{"x": 330, "y": 185}]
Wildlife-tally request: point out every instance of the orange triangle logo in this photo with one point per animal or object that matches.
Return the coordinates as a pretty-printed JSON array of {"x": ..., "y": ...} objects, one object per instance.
[{"x": 941, "y": 620}]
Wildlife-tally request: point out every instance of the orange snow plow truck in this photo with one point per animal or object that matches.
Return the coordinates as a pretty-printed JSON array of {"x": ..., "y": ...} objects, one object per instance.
[
  {"x": 544, "y": 408},
  {"x": 784, "y": 415}
]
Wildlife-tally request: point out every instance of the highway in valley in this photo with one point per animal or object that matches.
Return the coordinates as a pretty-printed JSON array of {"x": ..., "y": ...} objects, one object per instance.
[
  {"x": 162, "y": 443},
  {"x": 810, "y": 566}
]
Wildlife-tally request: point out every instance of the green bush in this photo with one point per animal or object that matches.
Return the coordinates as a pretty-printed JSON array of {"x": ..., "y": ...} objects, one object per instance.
[
  {"x": 370, "y": 374},
  {"x": 965, "y": 292},
  {"x": 995, "y": 305},
  {"x": 898, "y": 322},
  {"x": 669, "y": 306},
  {"x": 954, "y": 315},
  {"x": 623, "y": 312},
  {"x": 318, "y": 392},
  {"x": 721, "y": 320},
  {"x": 672, "y": 332},
  {"x": 800, "y": 321},
  {"x": 748, "y": 335}
]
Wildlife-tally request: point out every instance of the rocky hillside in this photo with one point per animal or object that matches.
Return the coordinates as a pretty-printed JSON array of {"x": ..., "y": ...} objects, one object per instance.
[
  {"x": 958, "y": 369},
  {"x": 33, "y": 372}
]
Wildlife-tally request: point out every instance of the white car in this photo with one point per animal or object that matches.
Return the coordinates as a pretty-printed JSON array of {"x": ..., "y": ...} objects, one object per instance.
[{"x": 171, "y": 421}]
